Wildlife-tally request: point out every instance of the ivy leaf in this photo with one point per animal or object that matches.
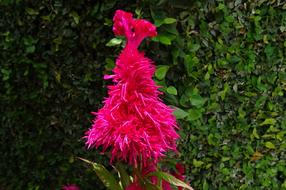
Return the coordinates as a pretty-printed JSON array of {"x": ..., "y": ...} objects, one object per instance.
[
  {"x": 172, "y": 90},
  {"x": 269, "y": 145},
  {"x": 195, "y": 47},
  {"x": 165, "y": 40},
  {"x": 104, "y": 175},
  {"x": 75, "y": 17},
  {"x": 158, "y": 22},
  {"x": 205, "y": 185},
  {"x": 30, "y": 49},
  {"x": 114, "y": 42},
  {"x": 255, "y": 134},
  {"x": 169, "y": 20},
  {"x": 171, "y": 179},
  {"x": 31, "y": 11},
  {"x": 197, "y": 100},
  {"x": 197, "y": 163},
  {"x": 268, "y": 121},
  {"x": 280, "y": 135},
  {"x": 269, "y": 51},
  {"x": 211, "y": 139},
  {"x": 179, "y": 113},
  {"x": 161, "y": 71},
  {"x": 194, "y": 114}
]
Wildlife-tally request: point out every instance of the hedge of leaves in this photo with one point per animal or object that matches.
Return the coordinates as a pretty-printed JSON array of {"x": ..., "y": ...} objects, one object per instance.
[{"x": 220, "y": 63}]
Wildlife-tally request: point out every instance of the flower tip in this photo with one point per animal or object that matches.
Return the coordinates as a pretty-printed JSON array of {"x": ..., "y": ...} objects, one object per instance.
[
  {"x": 121, "y": 17},
  {"x": 153, "y": 31},
  {"x": 120, "y": 13}
]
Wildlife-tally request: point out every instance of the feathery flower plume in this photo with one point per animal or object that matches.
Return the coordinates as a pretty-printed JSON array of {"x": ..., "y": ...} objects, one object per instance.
[
  {"x": 179, "y": 174},
  {"x": 134, "y": 186},
  {"x": 134, "y": 124},
  {"x": 70, "y": 187}
]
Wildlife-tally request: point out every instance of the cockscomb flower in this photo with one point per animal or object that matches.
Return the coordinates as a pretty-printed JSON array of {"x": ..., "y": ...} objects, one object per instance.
[
  {"x": 134, "y": 124},
  {"x": 134, "y": 186},
  {"x": 179, "y": 174},
  {"x": 70, "y": 187}
]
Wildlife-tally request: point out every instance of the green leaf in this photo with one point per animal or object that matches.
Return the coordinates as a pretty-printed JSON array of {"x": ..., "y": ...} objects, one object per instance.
[
  {"x": 260, "y": 102},
  {"x": 272, "y": 129},
  {"x": 172, "y": 90},
  {"x": 268, "y": 121},
  {"x": 158, "y": 22},
  {"x": 57, "y": 76},
  {"x": 197, "y": 100},
  {"x": 224, "y": 159},
  {"x": 171, "y": 179},
  {"x": 75, "y": 16},
  {"x": 124, "y": 177},
  {"x": 269, "y": 51},
  {"x": 104, "y": 175},
  {"x": 211, "y": 139},
  {"x": 280, "y": 135},
  {"x": 109, "y": 63},
  {"x": 190, "y": 62},
  {"x": 197, "y": 163},
  {"x": 114, "y": 42},
  {"x": 194, "y": 47},
  {"x": 221, "y": 6},
  {"x": 31, "y": 11},
  {"x": 138, "y": 12},
  {"x": 255, "y": 134},
  {"x": 165, "y": 40},
  {"x": 169, "y": 20},
  {"x": 269, "y": 145},
  {"x": 150, "y": 186},
  {"x": 30, "y": 49},
  {"x": 6, "y": 74},
  {"x": 179, "y": 113},
  {"x": 223, "y": 93},
  {"x": 194, "y": 114},
  {"x": 229, "y": 19},
  {"x": 205, "y": 185},
  {"x": 161, "y": 71}
]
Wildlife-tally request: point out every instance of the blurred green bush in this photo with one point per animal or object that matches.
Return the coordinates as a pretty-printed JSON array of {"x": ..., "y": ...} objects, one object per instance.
[{"x": 221, "y": 65}]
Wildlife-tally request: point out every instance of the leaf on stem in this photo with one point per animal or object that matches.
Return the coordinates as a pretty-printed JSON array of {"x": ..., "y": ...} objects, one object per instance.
[
  {"x": 171, "y": 179},
  {"x": 104, "y": 175},
  {"x": 124, "y": 177}
]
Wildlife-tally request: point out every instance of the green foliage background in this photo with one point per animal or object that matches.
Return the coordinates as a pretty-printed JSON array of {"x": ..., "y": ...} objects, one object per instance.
[{"x": 221, "y": 65}]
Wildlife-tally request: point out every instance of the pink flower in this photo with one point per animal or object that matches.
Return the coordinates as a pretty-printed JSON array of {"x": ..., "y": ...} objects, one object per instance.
[
  {"x": 166, "y": 185},
  {"x": 180, "y": 168},
  {"x": 121, "y": 24},
  {"x": 151, "y": 167},
  {"x": 70, "y": 187},
  {"x": 180, "y": 173},
  {"x": 134, "y": 124},
  {"x": 134, "y": 186}
]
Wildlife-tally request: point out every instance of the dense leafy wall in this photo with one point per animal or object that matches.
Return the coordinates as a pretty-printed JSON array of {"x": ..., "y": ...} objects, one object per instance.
[{"x": 221, "y": 65}]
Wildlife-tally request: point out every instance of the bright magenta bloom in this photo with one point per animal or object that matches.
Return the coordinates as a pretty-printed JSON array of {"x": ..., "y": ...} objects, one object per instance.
[
  {"x": 179, "y": 174},
  {"x": 134, "y": 186},
  {"x": 133, "y": 123},
  {"x": 70, "y": 187}
]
